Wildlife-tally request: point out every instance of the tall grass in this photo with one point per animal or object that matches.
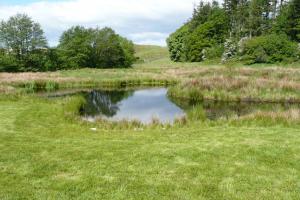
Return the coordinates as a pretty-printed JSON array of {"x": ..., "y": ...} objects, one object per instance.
[
  {"x": 196, "y": 113},
  {"x": 239, "y": 88},
  {"x": 290, "y": 117},
  {"x": 42, "y": 85}
]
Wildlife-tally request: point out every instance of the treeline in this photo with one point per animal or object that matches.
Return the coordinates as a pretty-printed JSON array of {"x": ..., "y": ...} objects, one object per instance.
[
  {"x": 23, "y": 47},
  {"x": 248, "y": 31}
]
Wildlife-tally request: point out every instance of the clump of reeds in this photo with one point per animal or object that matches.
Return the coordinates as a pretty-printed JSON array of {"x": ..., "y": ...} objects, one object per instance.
[
  {"x": 37, "y": 85},
  {"x": 155, "y": 121},
  {"x": 121, "y": 124},
  {"x": 291, "y": 116},
  {"x": 181, "y": 120},
  {"x": 72, "y": 106},
  {"x": 196, "y": 113}
]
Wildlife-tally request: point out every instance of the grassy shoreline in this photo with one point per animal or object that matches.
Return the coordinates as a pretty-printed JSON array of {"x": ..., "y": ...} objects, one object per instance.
[{"x": 213, "y": 83}]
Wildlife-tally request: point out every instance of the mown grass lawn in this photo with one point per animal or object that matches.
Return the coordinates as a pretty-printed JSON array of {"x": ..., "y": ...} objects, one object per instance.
[{"x": 47, "y": 155}]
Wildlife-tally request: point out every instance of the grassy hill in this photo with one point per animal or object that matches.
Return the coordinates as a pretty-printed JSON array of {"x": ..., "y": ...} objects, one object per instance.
[{"x": 150, "y": 53}]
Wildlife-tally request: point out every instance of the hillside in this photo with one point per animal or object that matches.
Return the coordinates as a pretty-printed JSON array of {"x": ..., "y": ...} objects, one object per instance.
[{"x": 150, "y": 53}]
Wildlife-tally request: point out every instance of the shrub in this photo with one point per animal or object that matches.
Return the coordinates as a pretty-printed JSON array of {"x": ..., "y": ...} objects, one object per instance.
[
  {"x": 35, "y": 61},
  {"x": 213, "y": 52},
  {"x": 269, "y": 49},
  {"x": 230, "y": 50},
  {"x": 8, "y": 63}
]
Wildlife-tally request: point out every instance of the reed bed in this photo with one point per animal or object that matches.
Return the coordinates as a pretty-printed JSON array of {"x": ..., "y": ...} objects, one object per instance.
[{"x": 238, "y": 88}]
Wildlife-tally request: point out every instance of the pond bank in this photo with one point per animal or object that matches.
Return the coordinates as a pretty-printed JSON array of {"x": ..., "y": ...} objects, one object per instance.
[
  {"x": 126, "y": 106},
  {"x": 188, "y": 81}
]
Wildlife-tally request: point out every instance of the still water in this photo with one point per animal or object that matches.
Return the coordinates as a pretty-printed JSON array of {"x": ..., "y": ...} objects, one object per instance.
[
  {"x": 148, "y": 104},
  {"x": 143, "y": 105}
]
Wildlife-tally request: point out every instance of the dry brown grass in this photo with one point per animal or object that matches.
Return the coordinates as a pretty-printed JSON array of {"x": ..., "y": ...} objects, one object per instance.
[
  {"x": 291, "y": 115},
  {"x": 6, "y": 89},
  {"x": 13, "y": 78},
  {"x": 218, "y": 82},
  {"x": 288, "y": 79},
  {"x": 240, "y": 84}
]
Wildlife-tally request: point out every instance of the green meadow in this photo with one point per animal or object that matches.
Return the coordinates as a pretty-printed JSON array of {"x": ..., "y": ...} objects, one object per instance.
[{"x": 49, "y": 152}]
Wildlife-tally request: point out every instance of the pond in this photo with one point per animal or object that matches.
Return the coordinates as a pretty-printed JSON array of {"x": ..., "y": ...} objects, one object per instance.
[{"x": 145, "y": 105}]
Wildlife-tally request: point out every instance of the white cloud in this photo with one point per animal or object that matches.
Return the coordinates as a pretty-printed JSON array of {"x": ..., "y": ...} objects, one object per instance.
[
  {"x": 147, "y": 21},
  {"x": 154, "y": 38}
]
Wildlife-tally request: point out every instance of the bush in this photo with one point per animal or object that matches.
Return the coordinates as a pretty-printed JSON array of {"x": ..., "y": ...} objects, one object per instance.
[
  {"x": 8, "y": 63},
  {"x": 230, "y": 50},
  {"x": 35, "y": 61},
  {"x": 269, "y": 49},
  {"x": 213, "y": 52}
]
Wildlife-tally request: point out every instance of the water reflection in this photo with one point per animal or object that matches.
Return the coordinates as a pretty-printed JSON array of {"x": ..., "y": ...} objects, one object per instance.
[
  {"x": 105, "y": 103},
  {"x": 142, "y": 105},
  {"x": 146, "y": 104},
  {"x": 215, "y": 111},
  {"x": 226, "y": 110}
]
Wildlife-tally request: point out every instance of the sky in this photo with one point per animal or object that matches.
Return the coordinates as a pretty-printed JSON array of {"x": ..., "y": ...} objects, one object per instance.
[{"x": 142, "y": 21}]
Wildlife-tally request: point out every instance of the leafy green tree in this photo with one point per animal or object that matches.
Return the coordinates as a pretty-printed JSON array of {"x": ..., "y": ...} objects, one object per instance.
[
  {"x": 237, "y": 12},
  {"x": 207, "y": 34},
  {"x": 129, "y": 51},
  {"x": 239, "y": 26},
  {"x": 23, "y": 47},
  {"x": 75, "y": 47},
  {"x": 177, "y": 44},
  {"x": 107, "y": 49},
  {"x": 255, "y": 19},
  {"x": 21, "y": 38},
  {"x": 208, "y": 28},
  {"x": 289, "y": 20},
  {"x": 202, "y": 13},
  {"x": 96, "y": 48},
  {"x": 292, "y": 20},
  {"x": 20, "y": 35}
]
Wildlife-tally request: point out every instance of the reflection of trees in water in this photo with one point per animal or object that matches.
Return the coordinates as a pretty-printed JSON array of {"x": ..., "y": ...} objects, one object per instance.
[
  {"x": 104, "y": 102},
  {"x": 216, "y": 110}
]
